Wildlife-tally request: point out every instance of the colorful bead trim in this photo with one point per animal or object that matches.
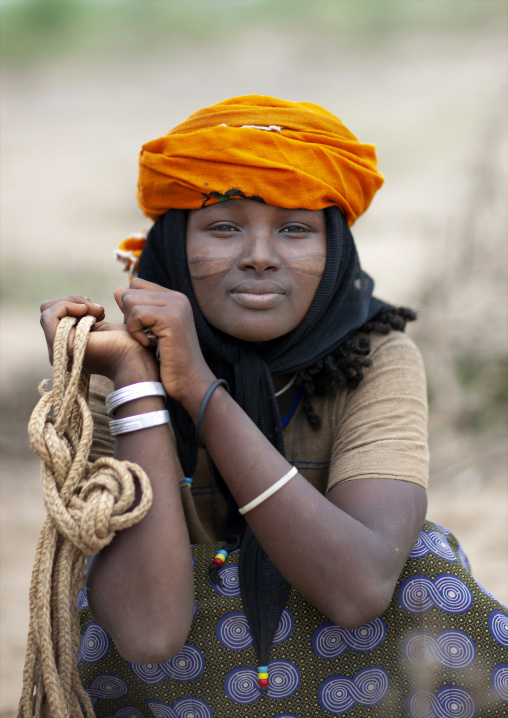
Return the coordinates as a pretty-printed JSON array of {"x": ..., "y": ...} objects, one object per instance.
[
  {"x": 220, "y": 557},
  {"x": 189, "y": 482},
  {"x": 263, "y": 677}
]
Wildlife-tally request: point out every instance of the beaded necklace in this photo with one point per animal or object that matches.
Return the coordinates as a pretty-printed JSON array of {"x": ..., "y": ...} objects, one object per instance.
[
  {"x": 288, "y": 386},
  {"x": 285, "y": 420}
]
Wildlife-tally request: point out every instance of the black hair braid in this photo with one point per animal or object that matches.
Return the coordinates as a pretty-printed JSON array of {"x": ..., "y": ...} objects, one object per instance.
[
  {"x": 343, "y": 367},
  {"x": 389, "y": 318}
]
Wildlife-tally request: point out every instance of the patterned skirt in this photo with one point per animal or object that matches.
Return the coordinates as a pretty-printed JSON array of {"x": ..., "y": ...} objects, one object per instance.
[{"x": 440, "y": 650}]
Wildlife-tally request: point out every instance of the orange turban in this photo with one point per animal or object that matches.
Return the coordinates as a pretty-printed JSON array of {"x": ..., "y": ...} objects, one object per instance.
[{"x": 289, "y": 154}]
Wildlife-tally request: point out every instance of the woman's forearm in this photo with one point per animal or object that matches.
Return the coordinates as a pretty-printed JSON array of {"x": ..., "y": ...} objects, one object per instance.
[
  {"x": 346, "y": 567},
  {"x": 140, "y": 587}
]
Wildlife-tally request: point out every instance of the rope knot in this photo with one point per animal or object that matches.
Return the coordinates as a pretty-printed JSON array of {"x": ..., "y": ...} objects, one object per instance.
[{"x": 106, "y": 502}]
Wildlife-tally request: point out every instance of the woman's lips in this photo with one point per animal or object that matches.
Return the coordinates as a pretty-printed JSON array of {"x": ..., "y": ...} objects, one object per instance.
[
  {"x": 257, "y": 301},
  {"x": 258, "y": 294}
]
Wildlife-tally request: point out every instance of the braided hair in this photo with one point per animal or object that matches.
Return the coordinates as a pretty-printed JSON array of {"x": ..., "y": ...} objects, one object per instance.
[{"x": 343, "y": 367}]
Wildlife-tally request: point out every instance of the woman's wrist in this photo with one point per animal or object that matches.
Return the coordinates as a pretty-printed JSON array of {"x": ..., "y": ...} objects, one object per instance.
[
  {"x": 143, "y": 368},
  {"x": 195, "y": 394}
]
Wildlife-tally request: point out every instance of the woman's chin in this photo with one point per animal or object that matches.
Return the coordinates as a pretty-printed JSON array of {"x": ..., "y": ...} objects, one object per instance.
[{"x": 256, "y": 334}]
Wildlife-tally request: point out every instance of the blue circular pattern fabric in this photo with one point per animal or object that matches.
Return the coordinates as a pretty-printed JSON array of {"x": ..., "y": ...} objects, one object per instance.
[
  {"x": 161, "y": 710},
  {"x": 230, "y": 582},
  {"x": 95, "y": 643},
  {"x": 182, "y": 708},
  {"x": 233, "y": 631},
  {"x": 107, "y": 687},
  {"x": 449, "y": 702},
  {"x": 188, "y": 665},
  {"x": 419, "y": 594},
  {"x": 451, "y": 648},
  {"x": 241, "y": 685},
  {"x": 127, "y": 712},
  {"x": 285, "y": 627},
  {"x": 440, "y": 650},
  {"x": 82, "y": 599},
  {"x": 498, "y": 627},
  {"x": 284, "y": 679},
  {"x": 432, "y": 542},
  {"x": 331, "y": 641},
  {"x": 499, "y": 680},
  {"x": 338, "y": 694}
]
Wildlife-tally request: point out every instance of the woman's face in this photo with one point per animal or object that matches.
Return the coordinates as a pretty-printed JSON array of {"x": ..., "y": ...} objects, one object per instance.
[{"x": 255, "y": 268}]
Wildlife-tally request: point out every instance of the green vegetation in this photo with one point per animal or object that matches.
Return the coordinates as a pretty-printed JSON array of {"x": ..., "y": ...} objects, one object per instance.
[
  {"x": 484, "y": 387},
  {"x": 34, "y": 29}
]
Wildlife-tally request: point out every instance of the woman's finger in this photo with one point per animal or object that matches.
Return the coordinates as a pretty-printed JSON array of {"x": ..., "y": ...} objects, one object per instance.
[
  {"x": 162, "y": 320},
  {"x": 118, "y": 295},
  {"x": 138, "y": 283},
  {"x": 53, "y": 310},
  {"x": 96, "y": 310},
  {"x": 127, "y": 299}
]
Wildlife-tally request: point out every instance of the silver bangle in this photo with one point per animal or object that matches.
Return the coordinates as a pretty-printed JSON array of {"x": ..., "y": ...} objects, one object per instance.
[
  {"x": 138, "y": 422},
  {"x": 131, "y": 392}
]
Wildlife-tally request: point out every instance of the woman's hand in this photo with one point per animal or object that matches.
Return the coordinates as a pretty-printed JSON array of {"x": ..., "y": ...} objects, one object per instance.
[
  {"x": 111, "y": 350},
  {"x": 168, "y": 314}
]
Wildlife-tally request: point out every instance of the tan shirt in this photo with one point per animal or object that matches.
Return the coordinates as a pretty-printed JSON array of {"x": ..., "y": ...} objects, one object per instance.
[{"x": 378, "y": 430}]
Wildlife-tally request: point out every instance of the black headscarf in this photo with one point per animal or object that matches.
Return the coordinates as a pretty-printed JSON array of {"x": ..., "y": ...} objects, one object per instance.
[{"x": 343, "y": 303}]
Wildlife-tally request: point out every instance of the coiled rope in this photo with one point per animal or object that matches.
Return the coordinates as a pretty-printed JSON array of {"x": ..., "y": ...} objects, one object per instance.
[{"x": 86, "y": 504}]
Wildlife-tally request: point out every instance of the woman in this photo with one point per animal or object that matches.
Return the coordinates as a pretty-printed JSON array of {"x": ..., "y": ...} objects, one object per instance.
[{"x": 298, "y": 416}]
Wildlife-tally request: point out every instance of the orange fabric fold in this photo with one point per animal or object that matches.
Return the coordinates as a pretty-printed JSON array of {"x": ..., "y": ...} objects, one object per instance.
[
  {"x": 289, "y": 154},
  {"x": 129, "y": 251}
]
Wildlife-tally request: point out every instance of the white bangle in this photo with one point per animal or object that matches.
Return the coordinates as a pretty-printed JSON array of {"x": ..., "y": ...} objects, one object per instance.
[
  {"x": 269, "y": 492},
  {"x": 138, "y": 422},
  {"x": 131, "y": 392}
]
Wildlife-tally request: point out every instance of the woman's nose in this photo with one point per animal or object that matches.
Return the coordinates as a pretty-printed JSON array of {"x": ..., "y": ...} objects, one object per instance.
[{"x": 259, "y": 252}]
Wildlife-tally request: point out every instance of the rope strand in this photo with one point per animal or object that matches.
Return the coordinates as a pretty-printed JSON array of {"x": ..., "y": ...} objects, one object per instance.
[{"x": 86, "y": 505}]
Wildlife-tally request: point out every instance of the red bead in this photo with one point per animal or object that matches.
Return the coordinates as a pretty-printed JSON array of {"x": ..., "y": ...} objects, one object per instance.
[
  {"x": 218, "y": 561},
  {"x": 263, "y": 681}
]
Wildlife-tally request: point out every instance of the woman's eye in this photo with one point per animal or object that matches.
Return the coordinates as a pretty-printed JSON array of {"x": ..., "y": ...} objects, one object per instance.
[
  {"x": 294, "y": 229},
  {"x": 223, "y": 227}
]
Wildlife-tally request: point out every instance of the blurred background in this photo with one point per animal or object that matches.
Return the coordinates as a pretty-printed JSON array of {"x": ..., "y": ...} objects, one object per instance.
[{"x": 84, "y": 84}]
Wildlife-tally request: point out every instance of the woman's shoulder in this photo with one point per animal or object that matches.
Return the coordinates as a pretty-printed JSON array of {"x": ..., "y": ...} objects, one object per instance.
[
  {"x": 395, "y": 359},
  {"x": 396, "y": 371},
  {"x": 377, "y": 429},
  {"x": 396, "y": 362},
  {"x": 393, "y": 345}
]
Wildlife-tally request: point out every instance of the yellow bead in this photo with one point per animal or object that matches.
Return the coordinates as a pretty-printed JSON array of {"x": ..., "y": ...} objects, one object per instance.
[{"x": 262, "y": 675}]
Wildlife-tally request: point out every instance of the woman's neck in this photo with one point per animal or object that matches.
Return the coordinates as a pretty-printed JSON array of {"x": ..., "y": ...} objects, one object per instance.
[{"x": 286, "y": 399}]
